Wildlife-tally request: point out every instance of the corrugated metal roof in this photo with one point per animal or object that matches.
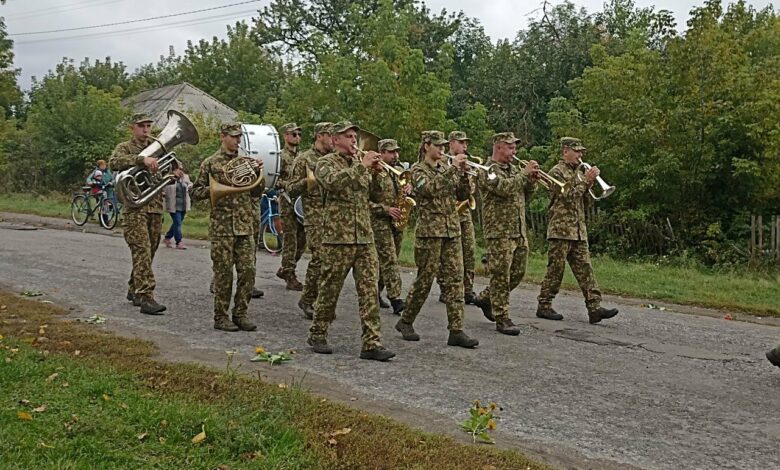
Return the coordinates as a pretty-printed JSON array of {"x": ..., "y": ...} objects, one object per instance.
[{"x": 182, "y": 97}]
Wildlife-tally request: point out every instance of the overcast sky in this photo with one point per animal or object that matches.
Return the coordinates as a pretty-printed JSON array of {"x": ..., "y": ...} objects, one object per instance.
[{"x": 37, "y": 53}]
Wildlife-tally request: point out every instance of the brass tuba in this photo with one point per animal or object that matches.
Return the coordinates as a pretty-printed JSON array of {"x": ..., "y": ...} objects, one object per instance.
[
  {"x": 241, "y": 174},
  {"x": 137, "y": 186}
]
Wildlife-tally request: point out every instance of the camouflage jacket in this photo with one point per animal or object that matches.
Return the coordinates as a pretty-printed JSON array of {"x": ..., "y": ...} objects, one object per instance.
[
  {"x": 503, "y": 201},
  {"x": 383, "y": 194},
  {"x": 297, "y": 186},
  {"x": 124, "y": 157},
  {"x": 436, "y": 191},
  {"x": 285, "y": 172},
  {"x": 346, "y": 216},
  {"x": 567, "y": 210},
  {"x": 235, "y": 214}
]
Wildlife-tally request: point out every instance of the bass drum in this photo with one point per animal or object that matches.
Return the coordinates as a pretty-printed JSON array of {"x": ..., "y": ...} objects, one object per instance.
[
  {"x": 298, "y": 207},
  {"x": 261, "y": 142}
]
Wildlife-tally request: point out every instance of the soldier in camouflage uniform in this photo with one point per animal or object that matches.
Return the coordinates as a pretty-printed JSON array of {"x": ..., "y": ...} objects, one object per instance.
[
  {"x": 304, "y": 165},
  {"x": 568, "y": 236},
  {"x": 232, "y": 230},
  {"x": 294, "y": 238},
  {"x": 384, "y": 193},
  {"x": 459, "y": 143},
  {"x": 503, "y": 224},
  {"x": 142, "y": 226},
  {"x": 774, "y": 356},
  {"x": 347, "y": 242},
  {"x": 437, "y": 247}
]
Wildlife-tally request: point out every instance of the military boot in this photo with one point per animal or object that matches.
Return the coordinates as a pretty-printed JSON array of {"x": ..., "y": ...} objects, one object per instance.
[
  {"x": 505, "y": 326},
  {"x": 548, "y": 313},
  {"x": 244, "y": 323},
  {"x": 407, "y": 331},
  {"x": 257, "y": 293},
  {"x": 398, "y": 305},
  {"x": 487, "y": 309},
  {"x": 774, "y": 356},
  {"x": 294, "y": 284},
  {"x": 470, "y": 298},
  {"x": 377, "y": 354},
  {"x": 459, "y": 338},
  {"x": 281, "y": 274},
  {"x": 382, "y": 302},
  {"x": 223, "y": 323},
  {"x": 442, "y": 299},
  {"x": 131, "y": 296},
  {"x": 320, "y": 346},
  {"x": 308, "y": 310},
  {"x": 150, "y": 306},
  {"x": 601, "y": 313},
  {"x": 137, "y": 299}
]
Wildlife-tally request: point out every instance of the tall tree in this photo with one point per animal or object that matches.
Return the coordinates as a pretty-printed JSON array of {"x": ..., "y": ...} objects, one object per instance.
[{"x": 10, "y": 95}]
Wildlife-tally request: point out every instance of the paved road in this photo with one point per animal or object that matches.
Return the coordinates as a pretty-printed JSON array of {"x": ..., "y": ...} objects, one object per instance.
[{"x": 649, "y": 389}]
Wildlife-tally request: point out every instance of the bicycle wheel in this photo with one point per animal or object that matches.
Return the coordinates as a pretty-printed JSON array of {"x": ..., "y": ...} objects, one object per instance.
[
  {"x": 108, "y": 214},
  {"x": 80, "y": 210},
  {"x": 272, "y": 242}
]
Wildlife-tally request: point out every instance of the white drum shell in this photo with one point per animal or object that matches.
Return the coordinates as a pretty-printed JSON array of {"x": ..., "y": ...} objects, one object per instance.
[{"x": 261, "y": 142}]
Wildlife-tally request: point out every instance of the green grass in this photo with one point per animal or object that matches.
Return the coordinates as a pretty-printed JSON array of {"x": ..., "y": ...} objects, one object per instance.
[{"x": 742, "y": 291}]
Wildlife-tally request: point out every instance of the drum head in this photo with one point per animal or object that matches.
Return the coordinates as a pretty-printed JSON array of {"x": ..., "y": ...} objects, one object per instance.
[
  {"x": 298, "y": 207},
  {"x": 261, "y": 142}
]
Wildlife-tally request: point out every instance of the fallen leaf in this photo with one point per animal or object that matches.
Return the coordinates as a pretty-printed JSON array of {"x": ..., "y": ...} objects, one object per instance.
[
  {"x": 352, "y": 399},
  {"x": 43, "y": 445},
  {"x": 65, "y": 385},
  {"x": 42, "y": 329},
  {"x": 162, "y": 440},
  {"x": 142, "y": 436},
  {"x": 341, "y": 432},
  {"x": 323, "y": 400},
  {"x": 77, "y": 352},
  {"x": 201, "y": 436},
  {"x": 52, "y": 377},
  {"x": 106, "y": 397},
  {"x": 728, "y": 317},
  {"x": 24, "y": 402},
  {"x": 332, "y": 441},
  {"x": 164, "y": 423},
  {"x": 282, "y": 385},
  {"x": 23, "y": 415},
  {"x": 41, "y": 408},
  {"x": 123, "y": 405}
]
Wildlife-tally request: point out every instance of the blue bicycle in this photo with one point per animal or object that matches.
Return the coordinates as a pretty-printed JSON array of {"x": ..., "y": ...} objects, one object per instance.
[{"x": 270, "y": 223}]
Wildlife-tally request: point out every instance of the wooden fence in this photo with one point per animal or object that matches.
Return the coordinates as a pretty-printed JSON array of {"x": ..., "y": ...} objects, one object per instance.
[{"x": 759, "y": 246}]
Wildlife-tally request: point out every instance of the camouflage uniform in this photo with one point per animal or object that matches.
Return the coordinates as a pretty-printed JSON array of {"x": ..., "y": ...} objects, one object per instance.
[
  {"x": 503, "y": 224},
  {"x": 568, "y": 237},
  {"x": 437, "y": 247},
  {"x": 233, "y": 225},
  {"x": 347, "y": 243},
  {"x": 294, "y": 238},
  {"x": 312, "y": 209},
  {"x": 467, "y": 238},
  {"x": 384, "y": 192},
  {"x": 142, "y": 226}
]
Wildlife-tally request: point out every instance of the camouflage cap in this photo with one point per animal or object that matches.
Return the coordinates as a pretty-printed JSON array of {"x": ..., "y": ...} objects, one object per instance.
[
  {"x": 506, "y": 137},
  {"x": 231, "y": 128},
  {"x": 458, "y": 135},
  {"x": 343, "y": 126},
  {"x": 139, "y": 118},
  {"x": 289, "y": 127},
  {"x": 388, "y": 145},
  {"x": 433, "y": 137},
  {"x": 323, "y": 128},
  {"x": 572, "y": 142}
]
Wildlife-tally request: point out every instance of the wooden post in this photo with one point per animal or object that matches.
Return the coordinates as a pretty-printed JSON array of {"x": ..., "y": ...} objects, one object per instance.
[
  {"x": 760, "y": 226},
  {"x": 752, "y": 244}
]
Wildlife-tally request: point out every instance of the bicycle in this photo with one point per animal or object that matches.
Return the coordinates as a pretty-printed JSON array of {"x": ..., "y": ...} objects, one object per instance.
[
  {"x": 270, "y": 224},
  {"x": 81, "y": 208}
]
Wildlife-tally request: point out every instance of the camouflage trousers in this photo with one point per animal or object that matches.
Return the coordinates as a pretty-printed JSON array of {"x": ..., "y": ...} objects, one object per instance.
[
  {"x": 467, "y": 242},
  {"x": 142, "y": 232},
  {"x": 508, "y": 262},
  {"x": 388, "y": 247},
  {"x": 227, "y": 252},
  {"x": 294, "y": 238},
  {"x": 337, "y": 260},
  {"x": 440, "y": 258},
  {"x": 311, "y": 284},
  {"x": 578, "y": 256}
]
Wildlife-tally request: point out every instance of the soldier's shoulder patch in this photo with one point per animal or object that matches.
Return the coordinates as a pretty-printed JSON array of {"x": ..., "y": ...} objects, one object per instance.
[{"x": 420, "y": 181}]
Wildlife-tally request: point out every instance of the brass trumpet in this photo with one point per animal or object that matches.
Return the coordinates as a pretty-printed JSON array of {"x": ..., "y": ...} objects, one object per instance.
[
  {"x": 472, "y": 164},
  {"x": 544, "y": 178}
]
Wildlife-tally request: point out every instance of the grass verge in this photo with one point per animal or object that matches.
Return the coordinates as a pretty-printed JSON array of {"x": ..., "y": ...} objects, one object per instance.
[
  {"x": 74, "y": 396},
  {"x": 757, "y": 294}
]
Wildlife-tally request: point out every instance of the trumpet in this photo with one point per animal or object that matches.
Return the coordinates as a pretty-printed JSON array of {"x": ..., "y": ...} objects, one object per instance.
[
  {"x": 473, "y": 164},
  {"x": 545, "y": 179},
  {"x": 606, "y": 189}
]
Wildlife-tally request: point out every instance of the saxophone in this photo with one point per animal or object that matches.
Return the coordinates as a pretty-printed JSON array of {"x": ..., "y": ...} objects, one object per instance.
[{"x": 403, "y": 202}]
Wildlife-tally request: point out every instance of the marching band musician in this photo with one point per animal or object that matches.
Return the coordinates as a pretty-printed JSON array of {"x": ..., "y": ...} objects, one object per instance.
[
  {"x": 142, "y": 226},
  {"x": 437, "y": 249},
  {"x": 504, "y": 200},
  {"x": 294, "y": 237},
  {"x": 311, "y": 197},
  {"x": 567, "y": 236},
  {"x": 232, "y": 228},
  {"x": 385, "y": 191},
  {"x": 347, "y": 242}
]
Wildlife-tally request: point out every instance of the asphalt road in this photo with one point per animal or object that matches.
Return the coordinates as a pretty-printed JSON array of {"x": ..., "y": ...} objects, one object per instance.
[{"x": 648, "y": 389}]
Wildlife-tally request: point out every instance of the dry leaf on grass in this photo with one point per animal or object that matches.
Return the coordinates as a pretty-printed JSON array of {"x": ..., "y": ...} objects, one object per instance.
[
  {"x": 41, "y": 408},
  {"x": 201, "y": 436},
  {"x": 106, "y": 397},
  {"x": 142, "y": 436},
  {"x": 53, "y": 376},
  {"x": 23, "y": 415}
]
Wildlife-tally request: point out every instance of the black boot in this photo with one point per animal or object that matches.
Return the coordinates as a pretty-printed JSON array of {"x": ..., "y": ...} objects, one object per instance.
[
  {"x": 459, "y": 338},
  {"x": 774, "y": 356},
  {"x": 548, "y": 313},
  {"x": 377, "y": 354},
  {"x": 308, "y": 310},
  {"x": 257, "y": 293},
  {"x": 487, "y": 309},
  {"x": 150, "y": 306},
  {"x": 407, "y": 331},
  {"x": 398, "y": 305},
  {"x": 243, "y": 323},
  {"x": 470, "y": 298},
  {"x": 320, "y": 346},
  {"x": 601, "y": 313},
  {"x": 224, "y": 324},
  {"x": 507, "y": 327}
]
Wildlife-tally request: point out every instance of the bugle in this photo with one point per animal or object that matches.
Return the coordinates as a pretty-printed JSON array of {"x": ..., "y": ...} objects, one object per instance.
[
  {"x": 606, "y": 189},
  {"x": 472, "y": 164},
  {"x": 544, "y": 178}
]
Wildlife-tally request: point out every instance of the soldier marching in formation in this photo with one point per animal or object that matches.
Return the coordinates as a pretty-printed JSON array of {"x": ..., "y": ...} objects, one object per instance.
[{"x": 294, "y": 238}]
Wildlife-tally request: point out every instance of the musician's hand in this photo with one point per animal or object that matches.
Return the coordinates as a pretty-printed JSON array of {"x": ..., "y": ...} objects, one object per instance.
[
  {"x": 370, "y": 160},
  {"x": 151, "y": 164},
  {"x": 257, "y": 165},
  {"x": 178, "y": 173},
  {"x": 407, "y": 189},
  {"x": 459, "y": 161},
  {"x": 592, "y": 174},
  {"x": 394, "y": 212},
  {"x": 532, "y": 169}
]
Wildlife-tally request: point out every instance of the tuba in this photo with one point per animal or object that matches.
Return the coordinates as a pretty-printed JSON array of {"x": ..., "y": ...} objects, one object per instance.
[
  {"x": 241, "y": 175},
  {"x": 137, "y": 186}
]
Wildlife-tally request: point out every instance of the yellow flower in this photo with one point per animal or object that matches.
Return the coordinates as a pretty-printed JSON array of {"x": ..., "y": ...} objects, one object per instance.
[
  {"x": 476, "y": 404},
  {"x": 259, "y": 350},
  {"x": 482, "y": 411},
  {"x": 492, "y": 406},
  {"x": 491, "y": 424}
]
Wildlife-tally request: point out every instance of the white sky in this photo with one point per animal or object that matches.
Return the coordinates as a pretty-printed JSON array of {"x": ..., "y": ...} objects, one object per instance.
[{"x": 35, "y": 54}]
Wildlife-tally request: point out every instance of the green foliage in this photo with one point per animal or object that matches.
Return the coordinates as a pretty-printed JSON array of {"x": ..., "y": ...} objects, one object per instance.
[
  {"x": 10, "y": 95},
  {"x": 481, "y": 420}
]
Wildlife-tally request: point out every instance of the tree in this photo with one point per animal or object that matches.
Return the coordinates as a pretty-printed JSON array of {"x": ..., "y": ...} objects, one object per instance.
[
  {"x": 10, "y": 95},
  {"x": 165, "y": 72}
]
